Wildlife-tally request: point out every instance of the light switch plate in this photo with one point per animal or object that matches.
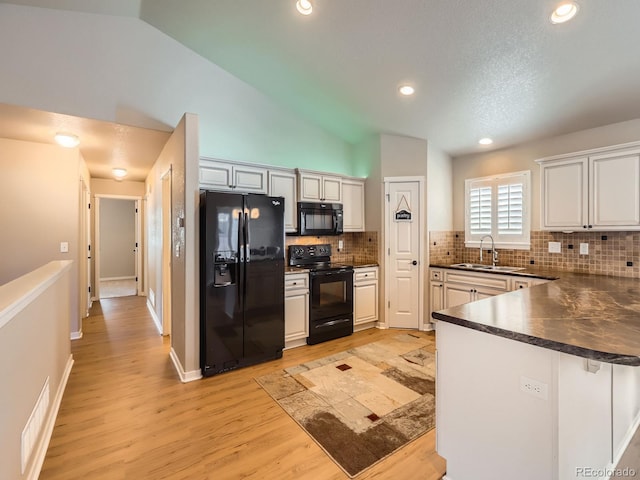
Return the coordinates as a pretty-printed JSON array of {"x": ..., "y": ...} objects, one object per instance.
[
  {"x": 555, "y": 247},
  {"x": 64, "y": 247},
  {"x": 584, "y": 249}
]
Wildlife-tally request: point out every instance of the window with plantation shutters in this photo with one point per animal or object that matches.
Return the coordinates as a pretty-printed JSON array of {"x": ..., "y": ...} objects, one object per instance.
[{"x": 498, "y": 206}]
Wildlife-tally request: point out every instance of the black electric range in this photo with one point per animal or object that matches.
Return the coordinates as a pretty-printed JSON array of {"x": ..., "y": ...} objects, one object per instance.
[{"x": 331, "y": 292}]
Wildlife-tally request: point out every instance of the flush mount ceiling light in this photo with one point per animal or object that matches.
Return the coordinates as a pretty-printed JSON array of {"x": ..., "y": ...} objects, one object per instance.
[
  {"x": 485, "y": 141},
  {"x": 119, "y": 173},
  {"x": 304, "y": 7},
  {"x": 564, "y": 12},
  {"x": 407, "y": 90},
  {"x": 67, "y": 140}
]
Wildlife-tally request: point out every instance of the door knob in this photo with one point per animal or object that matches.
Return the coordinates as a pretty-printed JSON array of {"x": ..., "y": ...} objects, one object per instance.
[{"x": 415, "y": 262}]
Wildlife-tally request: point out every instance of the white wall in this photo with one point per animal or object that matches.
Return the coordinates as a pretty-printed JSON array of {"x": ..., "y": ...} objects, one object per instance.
[
  {"x": 180, "y": 154},
  {"x": 39, "y": 210},
  {"x": 522, "y": 157},
  {"x": 34, "y": 347},
  {"x": 439, "y": 190},
  {"x": 117, "y": 238},
  {"x": 123, "y": 70}
]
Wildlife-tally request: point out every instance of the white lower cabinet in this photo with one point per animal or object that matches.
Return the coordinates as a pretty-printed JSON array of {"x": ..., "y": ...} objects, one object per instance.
[
  {"x": 520, "y": 282},
  {"x": 449, "y": 287},
  {"x": 463, "y": 287},
  {"x": 365, "y": 296},
  {"x": 296, "y": 309}
]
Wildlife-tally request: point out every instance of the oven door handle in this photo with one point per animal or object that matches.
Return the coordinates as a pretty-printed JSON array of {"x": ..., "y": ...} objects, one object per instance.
[
  {"x": 326, "y": 274},
  {"x": 332, "y": 323}
]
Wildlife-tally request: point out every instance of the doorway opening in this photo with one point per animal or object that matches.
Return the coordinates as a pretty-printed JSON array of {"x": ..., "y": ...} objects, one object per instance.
[{"x": 117, "y": 246}]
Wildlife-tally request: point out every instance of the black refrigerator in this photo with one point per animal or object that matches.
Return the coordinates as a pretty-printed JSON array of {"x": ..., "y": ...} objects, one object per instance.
[{"x": 241, "y": 280}]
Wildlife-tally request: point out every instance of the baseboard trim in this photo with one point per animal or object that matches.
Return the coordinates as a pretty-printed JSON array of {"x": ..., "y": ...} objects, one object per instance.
[
  {"x": 154, "y": 316},
  {"x": 76, "y": 335},
  {"x": 40, "y": 451},
  {"x": 185, "y": 377}
]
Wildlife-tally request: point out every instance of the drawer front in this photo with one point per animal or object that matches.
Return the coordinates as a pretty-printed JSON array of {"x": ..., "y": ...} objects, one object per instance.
[
  {"x": 496, "y": 282},
  {"x": 298, "y": 281},
  {"x": 436, "y": 275},
  {"x": 365, "y": 274}
]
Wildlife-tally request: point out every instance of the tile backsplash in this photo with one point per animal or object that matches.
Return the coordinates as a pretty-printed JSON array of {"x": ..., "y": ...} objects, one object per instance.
[
  {"x": 359, "y": 247},
  {"x": 610, "y": 253}
]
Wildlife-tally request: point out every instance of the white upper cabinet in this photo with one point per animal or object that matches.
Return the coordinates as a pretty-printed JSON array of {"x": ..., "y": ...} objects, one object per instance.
[
  {"x": 283, "y": 184},
  {"x": 316, "y": 187},
  {"x": 353, "y": 205},
  {"x": 614, "y": 182},
  {"x": 597, "y": 190},
  {"x": 565, "y": 194},
  {"x": 232, "y": 177}
]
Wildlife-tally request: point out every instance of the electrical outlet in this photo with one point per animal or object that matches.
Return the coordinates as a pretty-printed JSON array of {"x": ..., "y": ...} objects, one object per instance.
[
  {"x": 64, "y": 247},
  {"x": 584, "y": 249},
  {"x": 555, "y": 247},
  {"x": 340, "y": 244},
  {"x": 534, "y": 387}
]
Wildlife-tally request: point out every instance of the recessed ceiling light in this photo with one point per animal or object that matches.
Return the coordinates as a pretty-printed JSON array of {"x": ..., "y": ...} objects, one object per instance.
[
  {"x": 304, "y": 7},
  {"x": 119, "y": 173},
  {"x": 407, "y": 90},
  {"x": 68, "y": 140},
  {"x": 485, "y": 141},
  {"x": 564, "y": 12}
]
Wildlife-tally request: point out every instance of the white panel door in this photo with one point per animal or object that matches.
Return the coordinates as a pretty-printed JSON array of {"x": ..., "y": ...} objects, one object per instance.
[
  {"x": 404, "y": 250},
  {"x": 615, "y": 187}
]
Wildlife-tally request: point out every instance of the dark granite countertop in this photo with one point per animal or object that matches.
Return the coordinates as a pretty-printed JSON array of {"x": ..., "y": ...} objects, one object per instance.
[
  {"x": 591, "y": 316},
  {"x": 288, "y": 269}
]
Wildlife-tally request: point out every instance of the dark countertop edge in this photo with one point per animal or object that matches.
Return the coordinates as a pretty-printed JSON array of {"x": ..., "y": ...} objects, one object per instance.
[
  {"x": 529, "y": 273},
  {"x": 526, "y": 272},
  {"x": 293, "y": 270},
  {"x": 606, "y": 357}
]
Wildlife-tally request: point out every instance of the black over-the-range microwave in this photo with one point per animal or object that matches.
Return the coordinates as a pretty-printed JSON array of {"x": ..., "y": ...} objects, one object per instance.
[{"x": 319, "y": 218}]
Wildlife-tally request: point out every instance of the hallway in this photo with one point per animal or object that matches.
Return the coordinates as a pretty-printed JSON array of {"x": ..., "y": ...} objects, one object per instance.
[{"x": 125, "y": 414}]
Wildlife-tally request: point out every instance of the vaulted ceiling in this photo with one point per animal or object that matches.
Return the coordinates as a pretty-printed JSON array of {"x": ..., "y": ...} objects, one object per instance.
[{"x": 482, "y": 68}]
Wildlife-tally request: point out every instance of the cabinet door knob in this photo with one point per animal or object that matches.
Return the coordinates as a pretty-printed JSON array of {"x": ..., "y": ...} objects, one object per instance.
[
  {"x": 295, "y": 283},
  {"x": 415, "y": 262}
]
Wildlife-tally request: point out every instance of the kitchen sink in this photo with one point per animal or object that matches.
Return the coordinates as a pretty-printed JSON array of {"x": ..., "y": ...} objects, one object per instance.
[{"x": 488, "y": 268}]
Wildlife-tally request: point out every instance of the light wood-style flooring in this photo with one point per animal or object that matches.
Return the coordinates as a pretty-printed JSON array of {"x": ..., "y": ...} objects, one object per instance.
[{"x": 125, "y": 414}]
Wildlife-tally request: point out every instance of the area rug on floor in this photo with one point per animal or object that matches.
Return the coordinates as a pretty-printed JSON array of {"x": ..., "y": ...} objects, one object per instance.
[{"x": 363, "y": 404}]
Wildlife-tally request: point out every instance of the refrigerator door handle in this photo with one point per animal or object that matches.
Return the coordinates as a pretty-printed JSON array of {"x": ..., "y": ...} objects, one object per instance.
[
  {"x": 240, "y": 238},
  {"x": 247, "y": 237}
]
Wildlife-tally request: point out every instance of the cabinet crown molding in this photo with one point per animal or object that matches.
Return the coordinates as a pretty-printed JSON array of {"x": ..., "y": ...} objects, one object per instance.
[{"x": 590, "y": 152}]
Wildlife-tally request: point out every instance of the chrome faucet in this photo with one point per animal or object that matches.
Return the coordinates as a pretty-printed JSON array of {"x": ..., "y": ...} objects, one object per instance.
[{"x": 494, "y": 252}]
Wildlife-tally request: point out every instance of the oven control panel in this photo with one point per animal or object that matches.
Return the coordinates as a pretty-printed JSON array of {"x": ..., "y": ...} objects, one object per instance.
[{"x": 309, "y": 252}]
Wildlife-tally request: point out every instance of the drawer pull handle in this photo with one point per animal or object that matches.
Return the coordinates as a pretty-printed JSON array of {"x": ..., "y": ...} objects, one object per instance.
[{"x": 295, "y": 283}]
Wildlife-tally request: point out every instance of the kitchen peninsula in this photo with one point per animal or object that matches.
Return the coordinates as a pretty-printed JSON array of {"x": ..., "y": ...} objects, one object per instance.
[{"x": 541, "y": 382}]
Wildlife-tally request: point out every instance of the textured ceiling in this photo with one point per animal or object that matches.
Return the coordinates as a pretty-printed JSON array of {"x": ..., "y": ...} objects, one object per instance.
[{"x": 481, "y": 68}]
